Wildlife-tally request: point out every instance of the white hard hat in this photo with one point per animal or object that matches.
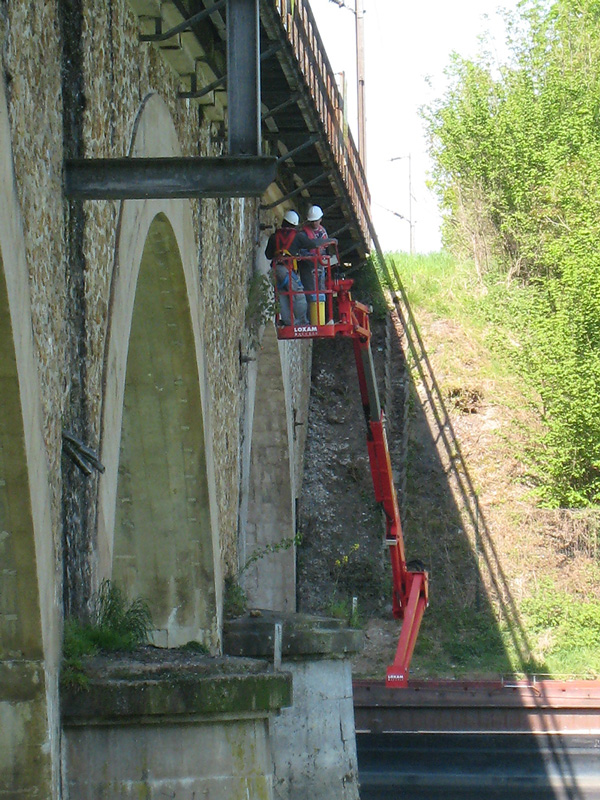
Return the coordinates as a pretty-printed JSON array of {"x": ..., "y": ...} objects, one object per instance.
[
  {"x": 314, "y": 213},
  {"x": 291, "y": 217}
]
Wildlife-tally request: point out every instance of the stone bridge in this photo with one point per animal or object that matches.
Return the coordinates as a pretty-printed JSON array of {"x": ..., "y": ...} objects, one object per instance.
[{"x": 148, "y": 423}]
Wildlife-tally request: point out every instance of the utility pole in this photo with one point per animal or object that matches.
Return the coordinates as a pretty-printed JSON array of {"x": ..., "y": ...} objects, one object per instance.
[
  {"x": 359, "y": 16},
  {"x": 360, "y": 79},
  {"x": 410, "y": 214},
  {"x": 411, "y": 224}
]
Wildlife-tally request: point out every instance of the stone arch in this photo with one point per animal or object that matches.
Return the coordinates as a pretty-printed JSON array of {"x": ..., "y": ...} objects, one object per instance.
[
  {"x": 269, "y": 513},
  {"x": 29, "y": 582},
  {"x": 162, "y": 547},
  {"x": 156, "y": 430}
]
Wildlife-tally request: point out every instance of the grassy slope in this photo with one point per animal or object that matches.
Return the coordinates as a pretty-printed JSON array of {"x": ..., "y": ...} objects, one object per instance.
[{"x": 514, "y": 588}]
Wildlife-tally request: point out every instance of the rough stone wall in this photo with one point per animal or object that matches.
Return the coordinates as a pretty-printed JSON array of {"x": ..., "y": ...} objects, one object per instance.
[
  {"x": 227, "y": 261},
  {"x": 117, "y": 72},
  {"x": 31, "y": 60}
]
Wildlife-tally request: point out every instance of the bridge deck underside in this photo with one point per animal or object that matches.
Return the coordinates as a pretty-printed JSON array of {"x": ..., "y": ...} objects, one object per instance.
[{"x": 339, "y": 190}]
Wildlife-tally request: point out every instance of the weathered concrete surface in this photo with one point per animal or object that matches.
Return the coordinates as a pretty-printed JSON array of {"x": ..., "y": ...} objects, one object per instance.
[
  {"x": 314, "y": 744},
  {"x": 198, "y": 727},
  {"x": 304, "y": 636},
  {"x": 26, "y": 768},
  {"x": 270, "y": 521}
]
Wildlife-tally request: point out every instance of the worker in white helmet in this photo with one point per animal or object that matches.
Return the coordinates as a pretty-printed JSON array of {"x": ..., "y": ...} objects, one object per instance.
[
  {"x": 289, "y": 241},
  {"x": 312, "y": 273}
]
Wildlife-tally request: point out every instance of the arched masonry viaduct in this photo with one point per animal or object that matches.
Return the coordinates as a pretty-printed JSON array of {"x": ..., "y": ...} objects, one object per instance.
[{"x": 152, "y": 435}]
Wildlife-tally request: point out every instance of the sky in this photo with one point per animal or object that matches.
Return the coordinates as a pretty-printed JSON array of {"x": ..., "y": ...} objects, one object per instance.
[{"x": 408, "y": 45}]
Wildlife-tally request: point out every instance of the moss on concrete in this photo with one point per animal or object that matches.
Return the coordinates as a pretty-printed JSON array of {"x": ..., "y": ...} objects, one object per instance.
[{"x": 126, "y": 690}]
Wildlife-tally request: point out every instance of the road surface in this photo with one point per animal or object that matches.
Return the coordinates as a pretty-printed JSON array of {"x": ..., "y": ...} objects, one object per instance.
[{"x": 471, "y": 766}]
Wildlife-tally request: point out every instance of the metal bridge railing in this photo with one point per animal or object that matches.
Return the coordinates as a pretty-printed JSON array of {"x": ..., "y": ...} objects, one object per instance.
[{"x": 299, "y": 23}]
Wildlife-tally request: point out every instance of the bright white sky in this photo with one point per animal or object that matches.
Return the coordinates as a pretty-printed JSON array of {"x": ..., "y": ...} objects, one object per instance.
[{"x": 406, "y": 41}]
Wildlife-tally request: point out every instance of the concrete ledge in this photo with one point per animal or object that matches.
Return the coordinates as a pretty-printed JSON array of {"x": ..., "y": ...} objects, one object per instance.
[
  {"x": 168, "y": 684},
  {"x": 303, "y": 636}
]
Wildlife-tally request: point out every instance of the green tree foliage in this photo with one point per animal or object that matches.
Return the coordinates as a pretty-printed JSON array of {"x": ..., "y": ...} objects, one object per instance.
[{"x": 517, "y": 169}]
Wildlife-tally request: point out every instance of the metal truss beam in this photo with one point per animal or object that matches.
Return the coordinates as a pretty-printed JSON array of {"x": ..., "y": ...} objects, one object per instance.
[
  {"x": 196, "y": 94},
  {"x": 293, "y": 98},
  {"x": 344, "y": 228}
]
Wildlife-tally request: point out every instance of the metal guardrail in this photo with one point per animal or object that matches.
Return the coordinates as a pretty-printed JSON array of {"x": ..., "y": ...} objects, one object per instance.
[{"x": 299, "y": 23}]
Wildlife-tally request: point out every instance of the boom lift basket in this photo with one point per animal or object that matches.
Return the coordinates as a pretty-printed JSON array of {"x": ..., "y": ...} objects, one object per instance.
[{"x": 332, "y": 312}]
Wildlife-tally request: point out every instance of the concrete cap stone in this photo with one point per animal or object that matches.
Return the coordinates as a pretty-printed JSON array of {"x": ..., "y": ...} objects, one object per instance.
[{"x": 304, "y": 636}]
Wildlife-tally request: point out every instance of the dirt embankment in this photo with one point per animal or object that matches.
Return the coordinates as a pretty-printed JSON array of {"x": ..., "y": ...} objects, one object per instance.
[
  {"x": 342, "y": 555},
  {"x": 468, "y": 509}
]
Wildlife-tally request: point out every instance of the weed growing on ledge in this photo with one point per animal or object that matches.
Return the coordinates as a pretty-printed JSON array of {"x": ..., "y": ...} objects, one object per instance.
[
  {"x": 235, "y": 602},
  {"x": 194, "y": 646},
  {"x": 116, "y": 624}
]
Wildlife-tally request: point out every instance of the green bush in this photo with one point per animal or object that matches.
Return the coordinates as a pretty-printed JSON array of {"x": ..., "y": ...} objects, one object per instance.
[{"x": 516, "y": 149}]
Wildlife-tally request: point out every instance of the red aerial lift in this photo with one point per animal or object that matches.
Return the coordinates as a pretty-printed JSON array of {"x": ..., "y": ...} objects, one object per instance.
[{"x": 334, "y": 313}]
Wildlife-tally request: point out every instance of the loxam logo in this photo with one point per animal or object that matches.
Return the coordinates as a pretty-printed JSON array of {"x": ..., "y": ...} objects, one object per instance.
[
  {"x": 398, "y": 677},
  {"x": 305, "y": 330}
]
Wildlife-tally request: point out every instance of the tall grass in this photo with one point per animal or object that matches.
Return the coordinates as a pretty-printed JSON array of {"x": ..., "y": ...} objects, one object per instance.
[{"x": 116, "y": 624}]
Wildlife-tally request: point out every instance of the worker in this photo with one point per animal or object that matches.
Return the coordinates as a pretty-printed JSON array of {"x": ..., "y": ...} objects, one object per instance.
[
  {"x": 312, "y": 272},
  {"x": 289, "y": 241}
]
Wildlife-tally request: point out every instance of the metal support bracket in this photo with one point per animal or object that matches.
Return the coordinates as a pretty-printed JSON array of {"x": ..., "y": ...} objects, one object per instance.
[
  {"x": 293, "y": 98},
  {"x": 291, "y": 153},
  {"x": 345, "y": 227},
  {"x": 348, "y": 250},
  {"x": 296, "y": 191},
  {"x": 81, "y": 455},
  {"x": 183, "y": 26},
  {"x": 196, "y": 94}
]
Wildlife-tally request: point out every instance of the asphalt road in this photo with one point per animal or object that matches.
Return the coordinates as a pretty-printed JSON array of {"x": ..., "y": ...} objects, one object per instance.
[{"x": 433, "y": 766}]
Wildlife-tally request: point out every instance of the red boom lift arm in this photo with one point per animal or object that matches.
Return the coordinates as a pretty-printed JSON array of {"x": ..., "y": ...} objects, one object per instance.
[{"x": 350, "y": 319}]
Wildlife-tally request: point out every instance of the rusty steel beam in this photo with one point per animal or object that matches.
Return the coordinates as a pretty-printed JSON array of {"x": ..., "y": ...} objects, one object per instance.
[
  {"x": 158, "y": 178},
  {"x": 542, "y": 706}
]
